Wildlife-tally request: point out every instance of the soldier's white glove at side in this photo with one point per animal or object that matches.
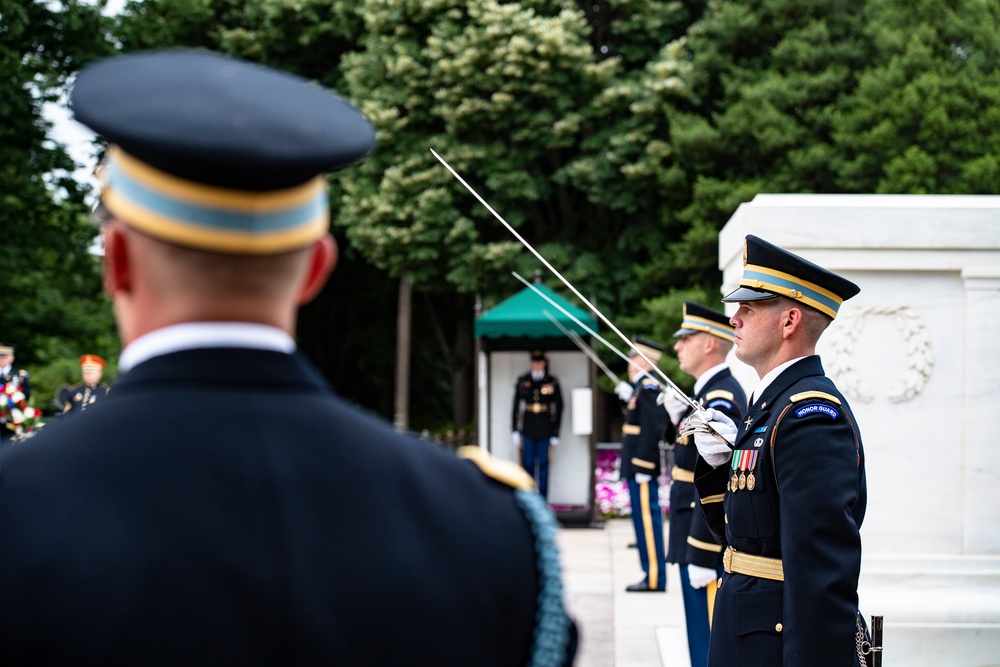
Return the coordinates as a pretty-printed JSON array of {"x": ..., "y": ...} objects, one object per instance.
[
  {"x": 714, "y": 451},
  {"x": 675, "y": 407},
  {"x": 642, "y": 478},
  {"x": 624, "y": 390},
  {"x": 554, "y": 440},
  {"x": 701, "y": 576},
  {"x": 516, "y": 438}
]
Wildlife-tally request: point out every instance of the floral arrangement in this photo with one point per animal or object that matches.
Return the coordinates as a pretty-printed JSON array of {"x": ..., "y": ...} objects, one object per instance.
[
  {"x": 611, "y": 492},
  {"x": 17, "y": 415}
]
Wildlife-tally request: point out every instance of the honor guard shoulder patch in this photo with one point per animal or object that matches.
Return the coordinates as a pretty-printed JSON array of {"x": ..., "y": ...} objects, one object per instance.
[
  {"x": 507, "y": 472},
  {"x": 817, "y": 408},
  {"x": 719, "y": 393}
]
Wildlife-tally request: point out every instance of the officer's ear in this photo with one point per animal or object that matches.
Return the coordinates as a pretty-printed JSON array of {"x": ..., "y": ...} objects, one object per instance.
[
  {"x": 117, "y": 260},
  {"x": 791, "y": 321},
  {"x": 322, "y": 260}
]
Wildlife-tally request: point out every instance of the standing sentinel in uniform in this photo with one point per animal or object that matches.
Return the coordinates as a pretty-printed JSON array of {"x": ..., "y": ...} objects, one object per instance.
[
  {"x": 704, "y": 340},
  {"x": 80, "y": 396},
  {"x": 538, "y": 410},
  {"x": 15, "y": 378},
  {"x": 283, "y": 525},
  {"x": 790, "y": 500},
  {"x": 642, "y": 432}
]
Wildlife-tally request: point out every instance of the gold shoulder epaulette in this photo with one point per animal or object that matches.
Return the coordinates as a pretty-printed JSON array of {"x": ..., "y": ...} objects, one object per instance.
[
  {"x": 814, "y": 394},
  {"x": 719, "y": 393},
  {"x": 507, "y": 472}
]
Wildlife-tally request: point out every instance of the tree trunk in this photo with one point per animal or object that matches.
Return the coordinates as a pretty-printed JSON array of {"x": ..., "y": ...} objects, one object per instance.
[{"x": 401, "y": 405}]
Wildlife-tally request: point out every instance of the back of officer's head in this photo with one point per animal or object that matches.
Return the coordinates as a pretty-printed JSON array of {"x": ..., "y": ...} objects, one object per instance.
[{"x": 215, "y": 177}]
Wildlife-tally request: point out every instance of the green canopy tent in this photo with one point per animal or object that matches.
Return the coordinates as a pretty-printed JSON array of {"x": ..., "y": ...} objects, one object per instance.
[
  {"x": 505, "y": 335},
  {"x": 522, "y": 322}
]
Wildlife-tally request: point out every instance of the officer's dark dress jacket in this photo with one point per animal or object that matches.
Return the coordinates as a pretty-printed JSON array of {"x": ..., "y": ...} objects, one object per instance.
[
  {"x": 690, "y": 539},
  {"x": 644, "y": 428},
  {"x": 538, "y": 407},
  {"x": 80, "y": 397},
  {"x": 279, "y": 525},
  {"x": 800, "y": 441}
]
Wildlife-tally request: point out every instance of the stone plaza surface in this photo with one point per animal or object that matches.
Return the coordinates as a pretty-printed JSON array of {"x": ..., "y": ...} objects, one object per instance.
[{"x": 619, "y": 629}]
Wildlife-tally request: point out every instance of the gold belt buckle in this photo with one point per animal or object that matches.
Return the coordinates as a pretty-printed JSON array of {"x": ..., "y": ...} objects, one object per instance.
[
  {"x": 536, "y": 407},
  {"x": 727, "y": 560}
]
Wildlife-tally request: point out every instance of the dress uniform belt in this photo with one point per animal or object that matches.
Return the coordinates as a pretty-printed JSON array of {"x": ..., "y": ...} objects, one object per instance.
[
  {"x": 755, "y": 566},
  {"x": 679, "y": 474},
  {"x": 537, "y": 407},
  {"x": 631, "y": 429}
]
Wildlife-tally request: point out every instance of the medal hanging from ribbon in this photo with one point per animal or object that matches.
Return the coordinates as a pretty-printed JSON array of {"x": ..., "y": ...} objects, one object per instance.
[{"x": 743, "y": 464}]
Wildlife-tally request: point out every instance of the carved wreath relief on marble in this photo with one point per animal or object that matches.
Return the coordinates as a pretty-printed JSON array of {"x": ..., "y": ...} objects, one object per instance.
[{"x": 919, "y": 356}]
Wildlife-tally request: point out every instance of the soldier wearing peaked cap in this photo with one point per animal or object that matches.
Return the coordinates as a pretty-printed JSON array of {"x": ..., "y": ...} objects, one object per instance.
[
  {"x": 82, "y": 395},
  {"x": 642, "y": 432},
  {"x": 538, "y": 408},
  {"x": 703, "y": 343},
  {"x": 790, "y": 500},
  {"x": 225, "y": 544}
]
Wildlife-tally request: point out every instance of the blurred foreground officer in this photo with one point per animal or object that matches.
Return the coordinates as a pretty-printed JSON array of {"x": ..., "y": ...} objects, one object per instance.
[
  {"x": 703, "y": 341},
  {"x": 538, "y": 408},
  {"x": 80, "y": 396},
  {"x": 281, "y": 525},
  {"x": 790, "y": 500},
  {"x": 645, "y": 422}
]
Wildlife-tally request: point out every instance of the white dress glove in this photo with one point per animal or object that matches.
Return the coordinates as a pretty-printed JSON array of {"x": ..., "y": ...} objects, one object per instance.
[
  {"x": 701, "y": 576},
  {"x": 675, "y": 407},
  {"x": 516, "y": 438},
  {"x": 624, "y": 390},
  {"x": 554, "y": 440},
  {"x": 642, "y": 478},
  {"x": 708, "y": 426}
]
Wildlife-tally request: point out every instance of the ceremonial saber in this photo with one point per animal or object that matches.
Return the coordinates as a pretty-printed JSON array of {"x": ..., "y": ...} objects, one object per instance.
[
  {"x": 575, "y": 337},
  {"x": 670, "y": 383},
  {"x": 590, "y": 331}
]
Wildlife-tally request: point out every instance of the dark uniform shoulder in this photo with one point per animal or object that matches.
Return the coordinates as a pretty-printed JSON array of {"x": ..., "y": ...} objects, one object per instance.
[{"x": 503, "y": 471}]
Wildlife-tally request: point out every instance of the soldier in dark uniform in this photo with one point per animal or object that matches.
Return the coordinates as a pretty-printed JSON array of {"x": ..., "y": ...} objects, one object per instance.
[
  {"x": 223, "y": 505},
  {"x": 703, "y": 342},
  {"x": 11, "y": 376},
  {"x": 642, "y": 432},
  {"x": 538, "y": 410},
  {"x": 80, "y": 396},
  {"x": 790, "y": 500}
]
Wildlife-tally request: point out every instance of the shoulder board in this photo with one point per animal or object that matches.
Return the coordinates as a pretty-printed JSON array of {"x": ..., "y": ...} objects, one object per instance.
[
  {"x": 719, "y": 393},
  {"x": 802, "y": 396},
  {"x": 507, "y": 472}
]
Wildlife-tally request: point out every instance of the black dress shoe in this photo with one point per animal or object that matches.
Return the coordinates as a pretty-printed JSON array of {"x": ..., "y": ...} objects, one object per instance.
[{"x": 643, "y": 587}]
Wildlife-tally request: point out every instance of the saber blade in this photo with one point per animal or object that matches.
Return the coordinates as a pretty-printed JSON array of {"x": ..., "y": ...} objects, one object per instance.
[
  {"x": 583, "y": 347},
  {"x": 670, "y": 383}
]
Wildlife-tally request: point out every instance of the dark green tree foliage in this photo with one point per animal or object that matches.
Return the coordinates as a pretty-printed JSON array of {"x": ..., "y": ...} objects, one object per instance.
[
  {"x": 53, "y": 309},
  {"x": 925, "y": 116}
]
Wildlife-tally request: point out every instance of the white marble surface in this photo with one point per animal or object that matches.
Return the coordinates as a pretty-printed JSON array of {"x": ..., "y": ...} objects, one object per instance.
[{"x": 917, "y": 354}]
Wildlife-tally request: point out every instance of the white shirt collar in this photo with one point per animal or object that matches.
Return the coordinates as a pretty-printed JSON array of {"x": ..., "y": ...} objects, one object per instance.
[
  {"x": 193, "y": 335},
  {"x": 769, "y": 378},
  {"x": 708, "y": 375}
]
